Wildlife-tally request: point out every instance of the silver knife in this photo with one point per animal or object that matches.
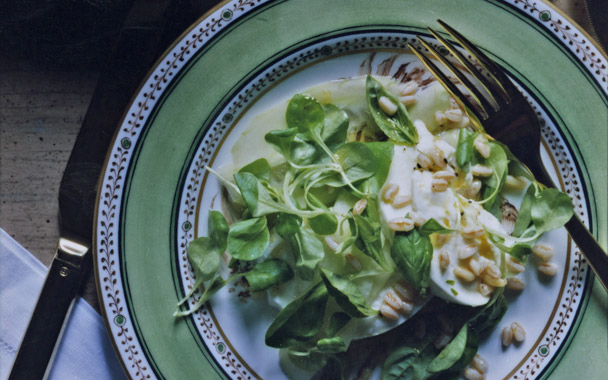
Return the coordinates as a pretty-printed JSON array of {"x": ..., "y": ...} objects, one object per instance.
[{"x": 149, "y": 27}]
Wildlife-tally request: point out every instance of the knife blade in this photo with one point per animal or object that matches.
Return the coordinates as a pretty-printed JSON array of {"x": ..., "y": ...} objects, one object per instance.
[{"x": 148, "y": 28}]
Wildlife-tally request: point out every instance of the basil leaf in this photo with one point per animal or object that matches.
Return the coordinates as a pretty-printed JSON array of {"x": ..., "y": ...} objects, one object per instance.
[
  {"x": 452, "y": 353},
  {"x": 347, "y": 295},
  {"x": 465, "y": 150},
  {"x": 259, "y": 168},
  {"x": 248, "y": 239},
  {"x": 550, "y": 210},
  {"x": 304, "y": 113},
  {"x": 398, "y": 127},
  {"x": 204, "y": 256},
  {"x": 267, "y": 274},
  {"x": 287, "y": 225},
  {"x": 499, "y": 163},
  {"x": 300, "y": 320},
  {"x": 324, "y": 224},
  {"x": 433, "y": 226},
  {"x": 409, "y": 363},
  {"x": 412, "y": 252},
  {"x": 218, "y": 230}
]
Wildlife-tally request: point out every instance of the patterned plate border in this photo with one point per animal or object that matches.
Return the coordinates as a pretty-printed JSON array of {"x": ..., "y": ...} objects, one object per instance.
[
  {"x": 109, "y": 276},
  {"x": 227, "y": 356}
]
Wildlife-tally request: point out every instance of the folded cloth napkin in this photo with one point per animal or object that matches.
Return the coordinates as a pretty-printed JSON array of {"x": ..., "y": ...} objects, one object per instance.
[{"x": 85, "y": 351}]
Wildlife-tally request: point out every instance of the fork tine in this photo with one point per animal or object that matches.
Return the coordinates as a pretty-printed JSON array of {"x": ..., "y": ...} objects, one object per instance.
[
  {"x": 504, "y": 84},
  {"x": 486, "y": 105},
  {"x": 483, "y": 102},
  {"x": 449, "y": 86}
]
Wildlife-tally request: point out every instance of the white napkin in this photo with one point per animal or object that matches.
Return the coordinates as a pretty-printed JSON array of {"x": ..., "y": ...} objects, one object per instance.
[{"x": 85, "y": 351}]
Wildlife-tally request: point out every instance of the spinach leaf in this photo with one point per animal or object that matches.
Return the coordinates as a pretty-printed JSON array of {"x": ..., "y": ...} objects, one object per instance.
[
  {"x": 347, "y": 295},
  {"x": 308, "y": 252},
  {"x": 204, "y": 253},
  {"x": 304, "y": 113},
  {"x": 281, "y": 139},
  {"x": 259, "y": 168},
  {"x": 398, "y": 127},
  {"x": 218, "y": 229},
  {"x": 409, "y": 362},
  {"x": 258, "y": 199},
  {"x": 300, "y": 320},
  {"x": 287, "y": 225},
  {"x": 383, "y": 152},
  {"x": 357, "y": 161},
  {"x": 433, "y": 226},
  {"x": 336, "y": 322},
  {"x": 324, "y": 224},
  {"x": 248, "y": 239},
  {"x": 400, "y": 364},
  {"x": 465, "y": 150},
  {"x": 369, "y": 239},
  {"x": 550, "y": 210},
  {"x": 294, "y": 146},
  {"x": 412, "y": 252},
  {"x": 204, "y": 256},
  {"x": 267, "y": 274},
  {"x": 335, "y": 127}
]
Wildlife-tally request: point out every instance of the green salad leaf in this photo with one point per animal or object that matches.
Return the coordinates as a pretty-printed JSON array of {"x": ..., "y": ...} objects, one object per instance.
[
  {"x": 248, "y": 239},
  {"x": 347, "y": 295},
  {"x": 465, "y": 150},
  {"x": 300, "y": 320},
  {"x": 433, "y": 226},
  {"x": 457, "y": 354},
  {"x": 412, "y": 252},
  {"x": 398, "y": 127},
  {"x": 267, "y": 274}
]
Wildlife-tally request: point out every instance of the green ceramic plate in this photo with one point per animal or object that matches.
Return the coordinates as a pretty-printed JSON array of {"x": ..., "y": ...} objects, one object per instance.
[{"x": 249, "y": 55}]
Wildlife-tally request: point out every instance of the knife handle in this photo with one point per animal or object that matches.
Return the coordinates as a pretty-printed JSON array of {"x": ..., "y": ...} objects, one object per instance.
[{"x": 54, "y": 303}]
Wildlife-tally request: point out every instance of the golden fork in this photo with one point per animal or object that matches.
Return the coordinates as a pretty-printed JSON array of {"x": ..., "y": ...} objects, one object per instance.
[{"x": 508, "y": 117}]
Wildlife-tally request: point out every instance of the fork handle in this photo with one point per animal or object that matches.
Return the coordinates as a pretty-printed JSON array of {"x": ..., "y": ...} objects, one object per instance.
[
  {"x": 587, "y": 244},
  {"x": 595, "y": 255}
]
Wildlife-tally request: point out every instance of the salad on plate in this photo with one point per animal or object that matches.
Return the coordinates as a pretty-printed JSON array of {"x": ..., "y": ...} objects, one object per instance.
[{"x": 383, "y": 228}]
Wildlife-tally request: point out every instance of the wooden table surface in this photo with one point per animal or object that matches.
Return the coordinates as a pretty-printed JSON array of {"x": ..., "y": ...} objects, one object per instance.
[{"x": 41, "y": 110}]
